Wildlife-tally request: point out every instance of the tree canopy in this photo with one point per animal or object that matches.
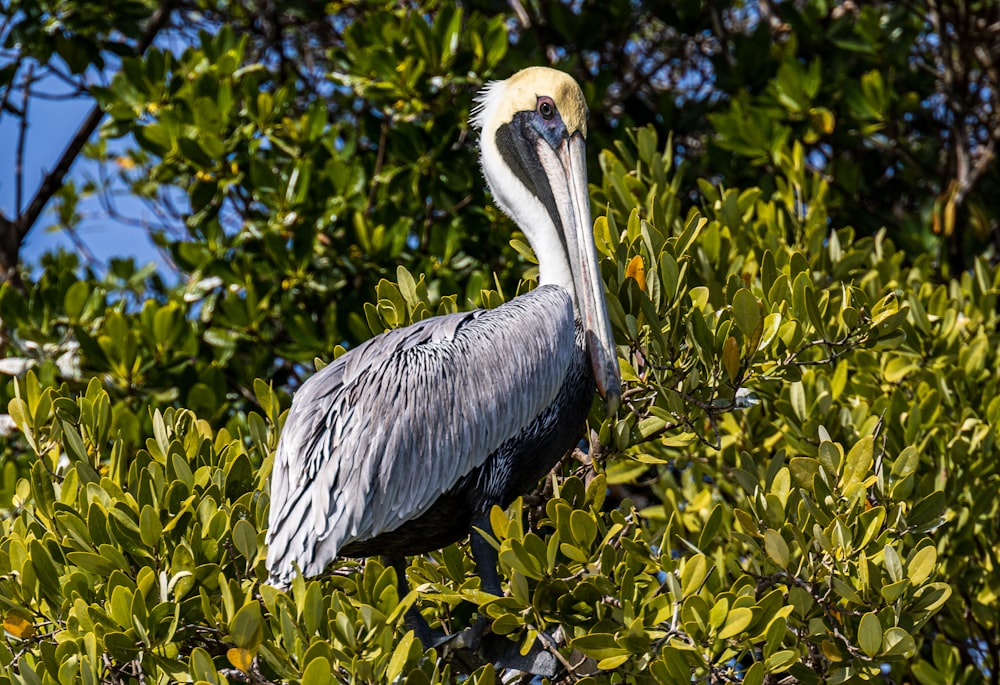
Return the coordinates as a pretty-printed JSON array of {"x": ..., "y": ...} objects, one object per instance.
[{"x": 796, "y": 219}]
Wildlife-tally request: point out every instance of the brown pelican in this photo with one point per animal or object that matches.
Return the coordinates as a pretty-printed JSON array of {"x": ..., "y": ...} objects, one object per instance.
[{"x": 400, "y": 445}]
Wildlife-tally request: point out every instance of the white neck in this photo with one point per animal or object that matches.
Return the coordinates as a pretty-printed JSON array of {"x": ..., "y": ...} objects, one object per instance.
[{"x": 528, "y": 212}]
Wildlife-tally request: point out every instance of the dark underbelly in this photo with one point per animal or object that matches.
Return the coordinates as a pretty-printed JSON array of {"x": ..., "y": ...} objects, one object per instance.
[
  {"x": 447, "y": 521},
  {"x": 512, "y": 470}
]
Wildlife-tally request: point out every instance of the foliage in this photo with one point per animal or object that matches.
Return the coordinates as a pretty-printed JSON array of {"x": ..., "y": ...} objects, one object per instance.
[{"x": 800, "y": 482}]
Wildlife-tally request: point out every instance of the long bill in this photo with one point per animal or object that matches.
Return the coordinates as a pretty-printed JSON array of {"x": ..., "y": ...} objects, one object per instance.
[{"x": 569, "y": 189}]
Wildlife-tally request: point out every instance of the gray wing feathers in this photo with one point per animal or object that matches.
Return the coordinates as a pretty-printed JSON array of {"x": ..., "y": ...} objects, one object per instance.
[{"x": 374, "y": 438}]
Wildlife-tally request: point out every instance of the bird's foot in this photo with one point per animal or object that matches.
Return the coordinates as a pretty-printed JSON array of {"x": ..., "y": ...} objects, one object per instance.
[
  {"x": 475, "y": 646},
  {"x": 428, "y": 637},
  {"x": 468, "y": 639},
  {"x": 505, "y": 653}
]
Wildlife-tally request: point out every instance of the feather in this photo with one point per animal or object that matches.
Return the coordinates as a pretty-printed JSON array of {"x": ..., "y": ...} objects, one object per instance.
[{"x": 376, "y": 437}]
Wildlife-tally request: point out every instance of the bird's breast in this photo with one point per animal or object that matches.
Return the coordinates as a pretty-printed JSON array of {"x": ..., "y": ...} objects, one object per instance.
[{"x": 518, "y": 464}]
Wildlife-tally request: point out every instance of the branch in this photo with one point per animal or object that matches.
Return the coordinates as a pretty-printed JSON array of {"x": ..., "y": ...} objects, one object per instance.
[
  {"x": 16, "y": 230},
  {"x": 5, "y": 105},
  {"x": 21, "y": 135}
]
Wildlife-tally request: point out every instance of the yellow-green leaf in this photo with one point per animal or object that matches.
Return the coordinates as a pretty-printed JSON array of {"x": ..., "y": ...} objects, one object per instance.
[
  {"x": 399, "y": 657},
  {"x": 693, "y": 574},
  {"x": 754, "y": 675},
  {"x": 612, "y": 663},
  {"x": 906, "y": 463},
  {"x": 736, "y": 623}
]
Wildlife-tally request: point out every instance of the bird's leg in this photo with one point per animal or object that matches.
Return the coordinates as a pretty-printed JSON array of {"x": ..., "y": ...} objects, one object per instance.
[
  {"x": 414, "y": 621},
  {"x": 502, "y": 652},
  {"x": 485, "y": 556},
  {"x": 430, "y": 638},
  {"x": 486, "y": 564}
]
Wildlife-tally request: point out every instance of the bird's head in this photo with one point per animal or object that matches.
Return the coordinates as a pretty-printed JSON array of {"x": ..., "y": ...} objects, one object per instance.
[{"x": 532, "y": 145}]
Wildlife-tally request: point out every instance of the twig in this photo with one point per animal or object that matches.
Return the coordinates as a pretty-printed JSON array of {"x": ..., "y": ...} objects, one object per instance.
[
  {"x": 81, "y": 246},
  {"x": 552, "y": 646}
]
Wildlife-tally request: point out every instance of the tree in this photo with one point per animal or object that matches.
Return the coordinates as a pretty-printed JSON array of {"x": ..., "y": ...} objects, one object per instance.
[{"x": 799, "y": 483}]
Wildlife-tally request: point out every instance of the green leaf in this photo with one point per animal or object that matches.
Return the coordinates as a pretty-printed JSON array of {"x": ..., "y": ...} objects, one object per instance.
[
  {"x": 921, "y": 564},
  {"x": 245, "y": 540},
  {"x": 246, "y": 630},
  {"x": 150, "y": 529},
  {"x": 719, "y": 612},
  {"x": 693, "y": 574},
  {"x": 893, "y": 591},
  {"x": 927, "y": 512},
  {"x": 407, "y": 286},
  {"x": 265, "y": 396},
  {"x": 803, "y": 470},
  {"x": 931, "y": 597},
  {"x": 120, "y": 607},
  {"x": 781, "y": 661},
  {"x": 731, "y": 358},
  {"x": 870, "y": 634},
  {"x": 599, "y": 646},
  {"x": 75, "y": 448},
  {"x": 76, "y": 300},
  {"x": 776, "y": 547},
  {"x": 318, "y": 672},
  {"x": 194, "y": 152},
  {"x": 524, "y": 250},
  {"x": 928, "y": 675},
  {"x": 859, "y": 462},
  {"x": 906, "y": 463},
  {"x": 646, "y": 142},
  {"x": 898, "y": 643},
  {"x": 583, "y": 527},
  {"x": 746, "y": 311},
  {"x": 893, "y": 564},
  {"x": 95, "y": 563},
  {"x": 121, "y": 646},
  {"x": 711, "y": 527}
]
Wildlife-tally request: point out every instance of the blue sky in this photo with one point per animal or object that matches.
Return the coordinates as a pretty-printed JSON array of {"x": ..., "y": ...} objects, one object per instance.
[{"x": 52, "y": 124}]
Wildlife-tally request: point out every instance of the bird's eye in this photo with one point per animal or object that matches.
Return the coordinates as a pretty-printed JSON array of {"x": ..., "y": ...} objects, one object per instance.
[{"x": 546, "y": 109}]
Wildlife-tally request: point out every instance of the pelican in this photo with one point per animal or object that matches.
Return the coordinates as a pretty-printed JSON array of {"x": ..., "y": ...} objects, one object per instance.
[{"x": 402, "y": 445}]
